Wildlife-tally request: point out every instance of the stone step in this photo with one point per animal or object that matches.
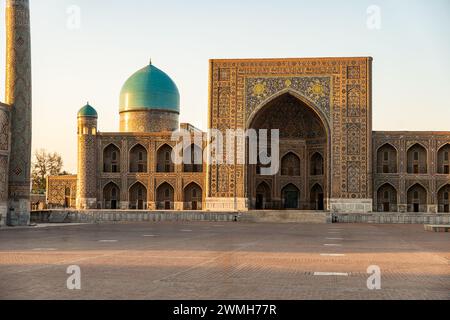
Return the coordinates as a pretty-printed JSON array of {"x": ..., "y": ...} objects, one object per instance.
[
  {"x": 285, "y": 216},
  {"x": 437, "y": 228}
]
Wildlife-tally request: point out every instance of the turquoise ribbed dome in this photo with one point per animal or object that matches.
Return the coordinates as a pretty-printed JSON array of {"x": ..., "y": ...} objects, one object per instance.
[
  {"x": 87, "y": 111},
  {"x": 149, "y": 88}
]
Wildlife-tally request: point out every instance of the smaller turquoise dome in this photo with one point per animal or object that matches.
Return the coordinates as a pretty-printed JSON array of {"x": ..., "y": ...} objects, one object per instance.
[
  {"x": 149, "y": 89},
  {"x": 87, "y": 111}
]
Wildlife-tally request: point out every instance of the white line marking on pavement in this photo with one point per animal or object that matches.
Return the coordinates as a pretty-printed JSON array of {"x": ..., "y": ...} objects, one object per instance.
[
  {"x": 334, "y": 238},
  {"x": 107, "y": 240},
  {"x": 186, "y": 230},
  {"x": 332, "y": 245},
  {"x": 344, "y": 274},
  {"x": 332, "y": 254},
  {"x": 149, "y": 235}
]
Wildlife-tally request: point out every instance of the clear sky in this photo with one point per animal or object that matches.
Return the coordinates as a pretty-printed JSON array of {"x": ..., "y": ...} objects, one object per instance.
[{"x": 75, "y": 63}]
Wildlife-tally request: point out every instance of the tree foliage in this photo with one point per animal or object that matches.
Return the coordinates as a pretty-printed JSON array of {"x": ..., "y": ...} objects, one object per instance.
[{"x": 44, "y": 164}]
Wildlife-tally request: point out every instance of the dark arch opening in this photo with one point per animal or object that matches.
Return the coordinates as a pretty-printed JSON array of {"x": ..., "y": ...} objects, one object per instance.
[
  {"x": 165, "y": 197},
  {"x": 111, "y": 159},
  {"x": 111, "y": 196},
  {"x": 138, "y": 196},
  {"x": 192, "y": 197}
]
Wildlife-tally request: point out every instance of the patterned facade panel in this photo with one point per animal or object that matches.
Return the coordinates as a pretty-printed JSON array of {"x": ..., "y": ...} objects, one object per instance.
[
  {"x": 61, "y": 191},
  {"x": 323, "y": 85}
]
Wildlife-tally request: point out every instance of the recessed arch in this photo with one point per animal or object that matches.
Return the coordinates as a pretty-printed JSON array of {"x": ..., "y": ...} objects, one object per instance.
[
  {"x": 387, "y": 159},
  {"x": 443, "y": 159},
  {"x": 417, "y": 196},
  {"x": 317, "y": 197},
  {"x": 165, "y": 195},
  {"x": 137, "y": 195},
  {"x": 290, "y": 196},
  {"x": 111, "y": 158},
  {"x": 297, "y": 95},
  {"x": 164, "y": 159},
  {"x": 444, "y": 199},
  {"x": 138, "y": 158},
  {"x": 316, "y": 164},
  {"x": 417, "y": 162},
  {"x": 387, "y": 198},
  {"x": 192, "y": 196},
  {"x": 263, "y": 196},
  {"x": 290, "y": 164},
  {"x": 303, "y": 129},
  {"x": 111, "y": 196}
]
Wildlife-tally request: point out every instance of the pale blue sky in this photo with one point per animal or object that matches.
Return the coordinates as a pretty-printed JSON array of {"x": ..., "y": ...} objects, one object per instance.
[{"x": 411, "y": 52}]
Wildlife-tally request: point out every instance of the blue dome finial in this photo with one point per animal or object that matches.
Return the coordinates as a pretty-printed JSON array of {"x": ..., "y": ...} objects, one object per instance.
[{"x": 87, "y": 111}]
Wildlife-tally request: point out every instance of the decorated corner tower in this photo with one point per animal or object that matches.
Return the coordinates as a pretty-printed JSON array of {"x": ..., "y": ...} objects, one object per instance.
[{"x": 87, "y": 163}]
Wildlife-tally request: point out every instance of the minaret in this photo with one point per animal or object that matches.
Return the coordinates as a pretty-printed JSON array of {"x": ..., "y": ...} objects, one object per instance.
[
  {"x": 87, "y": 158},
  {"x": 18, "y": 97}
]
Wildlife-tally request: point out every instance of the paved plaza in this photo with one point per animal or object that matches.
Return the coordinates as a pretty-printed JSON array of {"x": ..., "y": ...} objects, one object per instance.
[{"x": 207, "y": 260}]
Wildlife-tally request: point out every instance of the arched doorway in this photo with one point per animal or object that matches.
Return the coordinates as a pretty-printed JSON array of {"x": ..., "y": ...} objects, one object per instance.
[
  {"x": 316, "y": 197},
  {"x": 111, "y": 196},
  {"x": 263, "y": 196},
  {"x": 291, "y": 197},
  {"x": 138, "y": 196},
  {"x": 444, "y": 199},
  {"x": 303, "y": 152},
  {"x": 386, "y": 198},
  {"x": 417, "y": 198},
  {"x": 192, "y": 197},
  {"x": 165, "y": 197}
]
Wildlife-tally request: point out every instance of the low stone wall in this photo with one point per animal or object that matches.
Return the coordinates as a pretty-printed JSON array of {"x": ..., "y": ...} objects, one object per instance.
[
  {"x": 94, "y": 216},
  {"x": 271, "y": 216},
  {"x": 280, "y": 216},
  {"x": 393, "y": 218}
]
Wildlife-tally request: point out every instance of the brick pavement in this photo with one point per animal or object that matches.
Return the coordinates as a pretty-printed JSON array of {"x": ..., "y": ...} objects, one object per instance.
[{"x": 207, "y": 260}]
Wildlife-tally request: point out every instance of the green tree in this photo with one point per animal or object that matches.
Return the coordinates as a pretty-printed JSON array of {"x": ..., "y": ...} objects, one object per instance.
[{"x": 44, "y": 164}]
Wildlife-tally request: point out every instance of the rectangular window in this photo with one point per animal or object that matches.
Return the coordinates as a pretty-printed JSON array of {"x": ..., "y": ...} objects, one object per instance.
[
  {"x": 416, "y": 168},
  {"x": 114, "y": 168},
  {"x": 446, "y": 169},
  {"x": 140, "y": 167},
  {"x": 386, "y": 156},
  {"x": 385, "y": 168},
  {"x": 446, "y": 156},
  {"x": 416, "y": 155}
]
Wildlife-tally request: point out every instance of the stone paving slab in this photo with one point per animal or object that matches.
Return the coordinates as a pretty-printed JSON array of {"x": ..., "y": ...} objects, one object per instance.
[{"x": 226, "y": 260}]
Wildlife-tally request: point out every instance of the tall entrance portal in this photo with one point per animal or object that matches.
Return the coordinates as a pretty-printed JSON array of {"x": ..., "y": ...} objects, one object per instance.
[{"x": 301, "y": 181}]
